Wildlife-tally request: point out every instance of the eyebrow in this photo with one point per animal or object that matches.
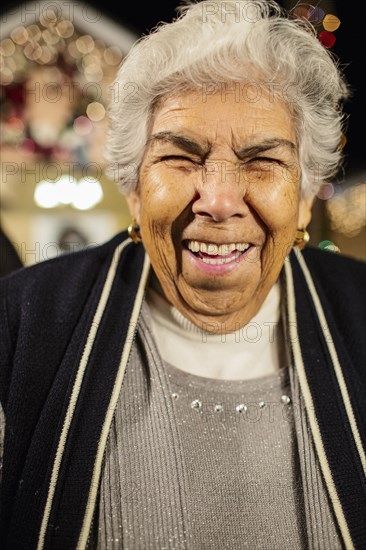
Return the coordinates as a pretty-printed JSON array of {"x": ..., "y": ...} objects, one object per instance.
[
  {"x": 188, "y": 145},
  {"x": 264, "y": 146},
  {"x": 194, "y": 148}
]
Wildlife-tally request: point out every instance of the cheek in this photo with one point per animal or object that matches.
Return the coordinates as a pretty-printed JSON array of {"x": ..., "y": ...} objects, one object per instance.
[
  {"x": 156, "y": 226},
  {"x": 162, "y": 199},
  {"x": 164, "y": 195},
  {"x": 275, "y": 199}
]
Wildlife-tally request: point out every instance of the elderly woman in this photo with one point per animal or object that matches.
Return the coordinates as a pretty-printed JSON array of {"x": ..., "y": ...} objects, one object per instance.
[{"x": 197, "y": 382}]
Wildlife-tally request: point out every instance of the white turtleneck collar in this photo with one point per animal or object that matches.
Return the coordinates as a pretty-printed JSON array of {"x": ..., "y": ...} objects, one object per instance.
[{"x": 250, "y": 352}]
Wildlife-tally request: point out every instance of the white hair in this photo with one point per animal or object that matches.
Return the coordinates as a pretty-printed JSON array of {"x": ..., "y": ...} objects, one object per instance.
[{"x": 214, "y": 43}]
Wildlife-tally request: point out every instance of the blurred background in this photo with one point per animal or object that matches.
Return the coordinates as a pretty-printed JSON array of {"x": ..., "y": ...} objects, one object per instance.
[{"x": 57, "y": 63}]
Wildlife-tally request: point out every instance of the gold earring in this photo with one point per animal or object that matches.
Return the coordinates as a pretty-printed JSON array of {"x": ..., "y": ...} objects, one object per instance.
[
  {"x": 134, "y": 232},
  {"x": 302, "y": 238}
]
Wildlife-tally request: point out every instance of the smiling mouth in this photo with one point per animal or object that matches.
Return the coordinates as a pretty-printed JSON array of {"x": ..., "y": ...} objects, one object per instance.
[{"x": 217, "y": 254}]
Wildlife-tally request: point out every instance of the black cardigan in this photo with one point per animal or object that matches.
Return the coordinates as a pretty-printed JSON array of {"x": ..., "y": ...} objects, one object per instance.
[{"x": 45, "y": 317}]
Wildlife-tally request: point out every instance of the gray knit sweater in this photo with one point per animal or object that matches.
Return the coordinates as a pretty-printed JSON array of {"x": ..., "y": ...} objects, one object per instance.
[{"x": 193, "y": 462}]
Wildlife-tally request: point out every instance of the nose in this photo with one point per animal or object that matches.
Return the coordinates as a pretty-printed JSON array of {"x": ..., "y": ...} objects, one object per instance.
[{"x": 221, "y": 194}]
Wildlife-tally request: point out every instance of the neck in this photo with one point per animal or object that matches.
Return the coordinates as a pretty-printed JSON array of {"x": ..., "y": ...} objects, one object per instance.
[
  {"x": 223, "y": 324},
  {"x": 220, "y": 323},
  {"x": 251, "y": 352}
]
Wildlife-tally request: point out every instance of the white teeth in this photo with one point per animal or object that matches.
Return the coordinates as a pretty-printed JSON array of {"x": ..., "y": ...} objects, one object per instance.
[
  {"x": 220, "y": 260},
  {"x": 212, "y": 249},
  {"x": 242, "y": 246},
  {"x": 225, "y": 249},
  {"x": 217, "y": 249},
  {"x": 194, "y": 246}
]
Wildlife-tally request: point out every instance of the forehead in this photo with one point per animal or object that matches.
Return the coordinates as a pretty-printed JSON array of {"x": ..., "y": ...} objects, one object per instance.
[{"x": 225, "y": 115}]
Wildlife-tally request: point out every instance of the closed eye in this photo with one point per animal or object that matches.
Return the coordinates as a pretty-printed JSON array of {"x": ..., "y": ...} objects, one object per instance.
[
  {"x": 180, "y": 162},
  {"x": 264, "y": 160}
]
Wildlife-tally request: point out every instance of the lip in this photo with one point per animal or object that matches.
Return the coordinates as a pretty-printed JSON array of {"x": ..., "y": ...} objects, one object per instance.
[{"x": 210, "y": 269}]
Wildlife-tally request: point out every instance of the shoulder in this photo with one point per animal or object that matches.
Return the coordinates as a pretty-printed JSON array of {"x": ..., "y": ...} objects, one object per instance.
[
  {"x": 65, "y": 270},
  {"x": 340, "y": 262},
  {"x": 338, "y": 273},
  {"x": 340, "y": 283},
  {"x": 41, "y": 305},
  {"x": 55, "y": 291}
]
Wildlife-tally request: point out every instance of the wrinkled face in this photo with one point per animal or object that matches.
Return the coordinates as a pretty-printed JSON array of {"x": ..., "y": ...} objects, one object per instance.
[{"x": 219, "y": 203}]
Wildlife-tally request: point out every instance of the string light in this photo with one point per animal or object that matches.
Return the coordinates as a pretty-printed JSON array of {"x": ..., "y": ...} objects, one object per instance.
[
  {"x": 50, "y": 40},
  {"x": 19, "y": 35},
  {"x": 78, "y": 58},
  {"x": 95, "y": 111},
  {"x": 331, "y": 22},
  {"x": 65, "y": 28},
  {"x": 326, "y": 192},
  {"x": 82, "y": 195},
  {"x": 7, "y": 47},
  {"x": 328, "y": 39},
  {"x": 329, "y": 246},
  {"x": 82, "y": 126},
  {"x": 315, "y": 15},
  {"x": 325, "y": 24},
  {"x": 112, "y": 56}
]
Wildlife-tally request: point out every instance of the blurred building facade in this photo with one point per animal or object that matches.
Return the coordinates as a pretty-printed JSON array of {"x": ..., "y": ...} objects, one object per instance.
[{"x": 58, "y": 62}]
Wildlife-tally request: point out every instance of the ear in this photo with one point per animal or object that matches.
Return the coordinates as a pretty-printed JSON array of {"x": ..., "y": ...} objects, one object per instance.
[
  {"x": 305, "y": 206},
  {"x": 134, "y": 204}
]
